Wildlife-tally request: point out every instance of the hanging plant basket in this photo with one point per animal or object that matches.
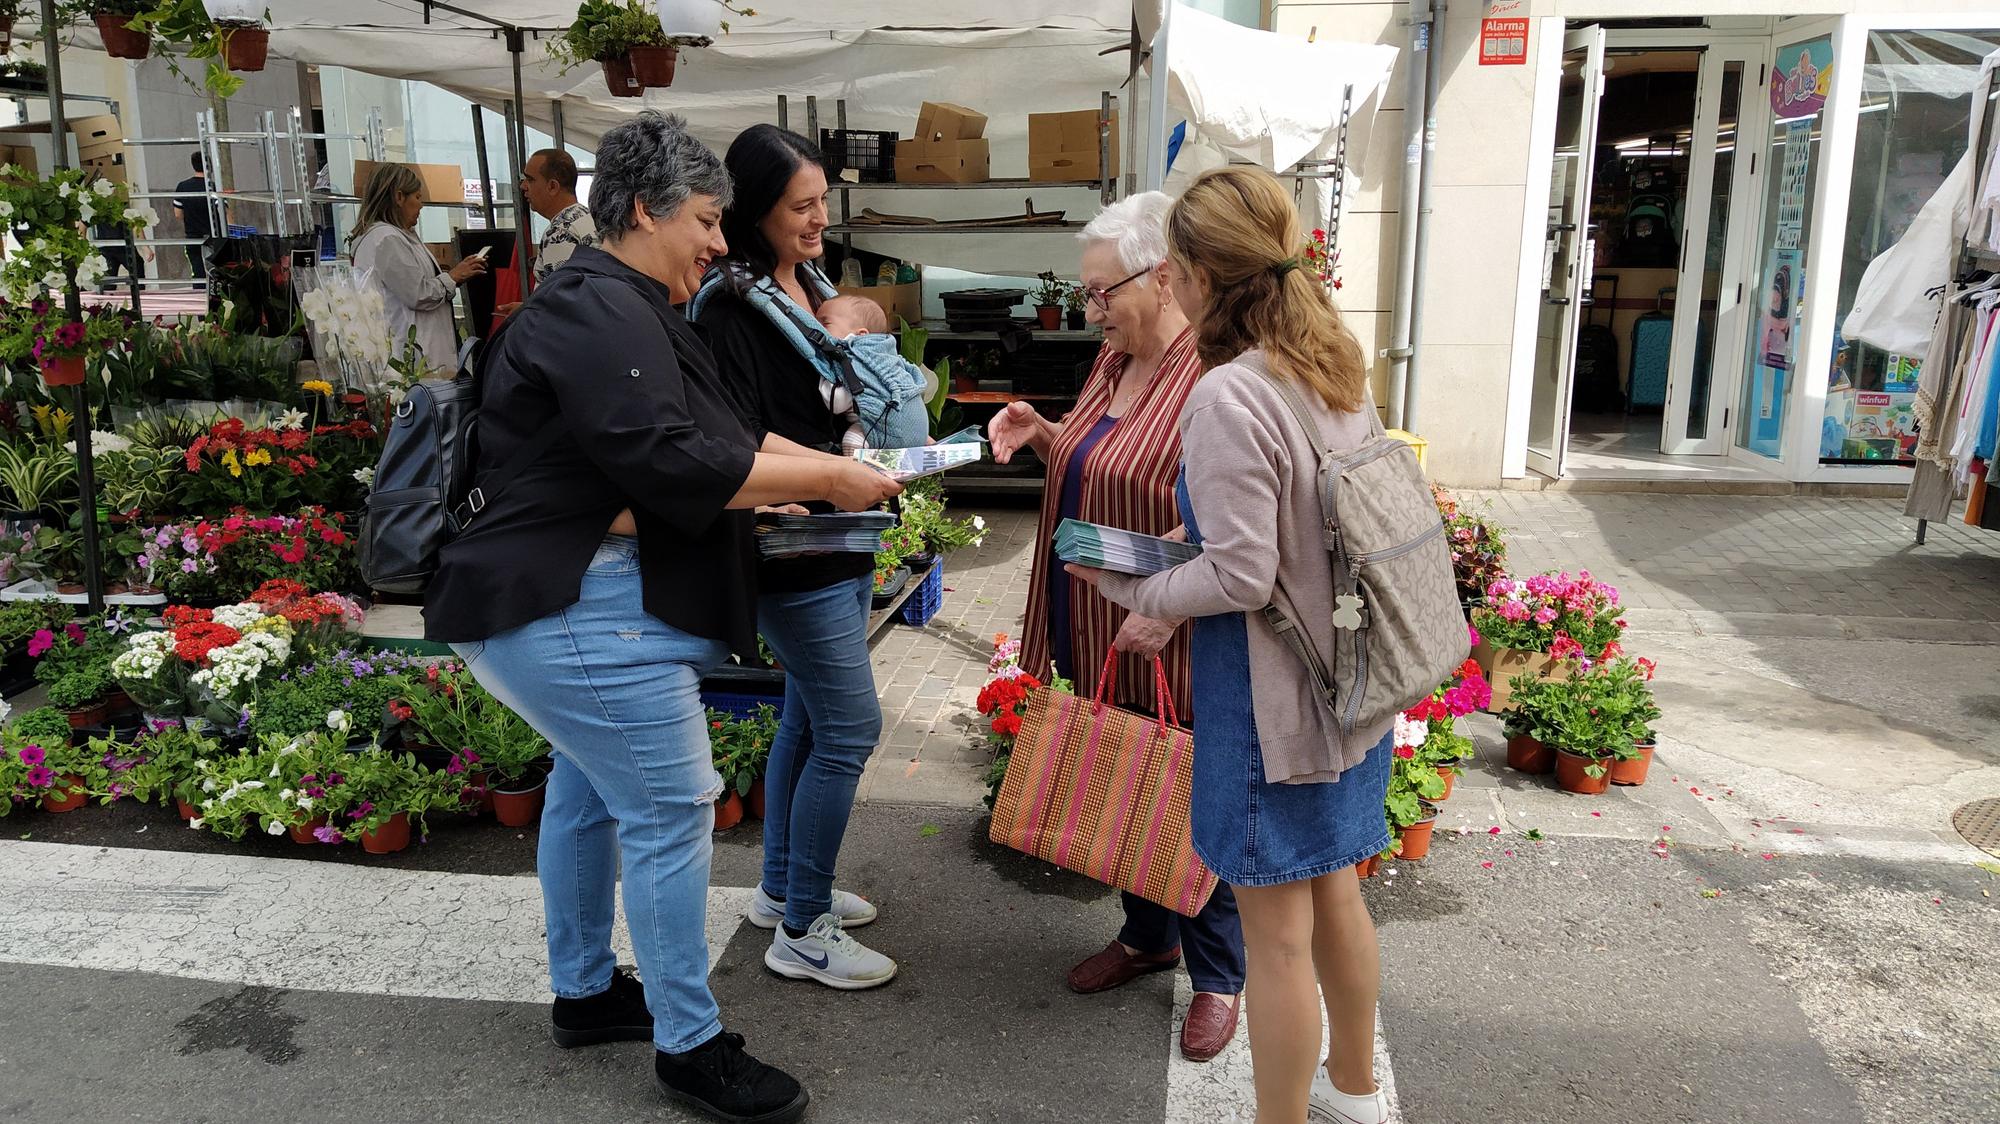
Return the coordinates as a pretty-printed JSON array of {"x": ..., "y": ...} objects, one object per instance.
[
  {"x": 245, "y": 49},
  {"x": 653, "y": 67},
  {"x": 618, "y": 76},
  {"x": 121, "y": 42}
]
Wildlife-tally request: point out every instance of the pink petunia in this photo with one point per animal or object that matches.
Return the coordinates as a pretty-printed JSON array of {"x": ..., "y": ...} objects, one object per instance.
[{"x": 32, "y": 755}]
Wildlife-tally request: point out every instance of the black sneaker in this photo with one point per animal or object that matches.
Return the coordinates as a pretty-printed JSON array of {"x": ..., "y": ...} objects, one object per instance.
[
  {"x": 616, "y": 1014},
  {"x": 728, "y": 1084}
]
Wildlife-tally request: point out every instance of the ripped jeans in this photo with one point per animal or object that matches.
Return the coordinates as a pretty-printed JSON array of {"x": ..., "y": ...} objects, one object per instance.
[{"x": 618, "y": 694}]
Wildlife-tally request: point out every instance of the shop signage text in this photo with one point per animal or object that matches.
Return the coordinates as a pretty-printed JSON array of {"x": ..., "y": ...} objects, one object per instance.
[{"x": 1503, "y": 42}]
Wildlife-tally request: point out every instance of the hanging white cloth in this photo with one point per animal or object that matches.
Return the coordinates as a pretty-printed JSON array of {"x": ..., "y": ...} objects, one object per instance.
[{"x": 1896, "y": 305}]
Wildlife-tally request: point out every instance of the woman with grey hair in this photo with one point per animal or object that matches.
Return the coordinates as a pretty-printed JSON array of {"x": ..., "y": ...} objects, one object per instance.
[
  {"x": 1113, "y": 460},
  {"x": 611, "y": 567},
  {"x": 417, "y": 292}
]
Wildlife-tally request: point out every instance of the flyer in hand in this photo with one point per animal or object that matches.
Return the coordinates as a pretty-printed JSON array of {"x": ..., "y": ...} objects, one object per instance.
[
  {"x": 909, "y": 464},
  {"x": 788, "y": 536},
  {"x": 1121, "y": 552}
]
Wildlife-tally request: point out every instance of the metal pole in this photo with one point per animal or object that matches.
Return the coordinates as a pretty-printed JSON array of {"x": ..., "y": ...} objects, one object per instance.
[
  {"x": 1156, "y": 107},
  {"x": 86, "y": 474},
  {"x": 485, "y": 169},
  {"x": 1417, "y": 63},
  {"x": 517, "y": 148},
  {"x": 556, "y": 123},
  {"x": 1433, "y": 74}
]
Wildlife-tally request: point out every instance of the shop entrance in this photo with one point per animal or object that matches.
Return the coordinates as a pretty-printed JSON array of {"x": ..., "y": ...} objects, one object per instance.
[{"x": 1645, "y": 298}]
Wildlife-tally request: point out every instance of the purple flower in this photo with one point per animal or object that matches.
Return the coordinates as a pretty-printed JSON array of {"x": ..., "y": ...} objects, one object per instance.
[
  {"x": 41, "y": 776},
  {"x": 328, "y": 835},
  {"x": 362, "y": 811},
  {"x": 362, "y": 668},
  {"x": 188, "y": 566},
  {"x": 32, "y": 755}
]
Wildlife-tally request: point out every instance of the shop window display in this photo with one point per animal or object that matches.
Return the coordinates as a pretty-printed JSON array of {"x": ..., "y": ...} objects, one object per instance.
[{"x": 1916, "y": 98}]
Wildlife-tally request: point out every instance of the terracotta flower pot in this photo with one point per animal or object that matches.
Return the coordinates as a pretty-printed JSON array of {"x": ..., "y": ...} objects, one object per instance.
[
  {"x": 63, "y": 370},
  {"x": 728, "y": 811},
  {"x": 1050, "y": 316},
  {"x": 1366, "y": 867},
  {"x": 653, "y": 67},
  {"x": 1573, "y": 775},
  {"x": 1632, "y": 770},
  {"x": 1416, "y": 838},
  {"x": 302, "y": 833},
  {"x": 519, "y": 807},
  {"x": 1450, "y": 776},
  {"x": 121, "y": 42},
  {"x": 618, "y": 76},
  {"x": 91, "y": 715},
  {"x": 389, "y": 838},
  {"x": 72, "y": 797},
  {"x": 245, "y": 48},
  {"x": 1528, "y": 755},
  {"x": 187, "y": 810},
  {"x": 756, "y": 799}
]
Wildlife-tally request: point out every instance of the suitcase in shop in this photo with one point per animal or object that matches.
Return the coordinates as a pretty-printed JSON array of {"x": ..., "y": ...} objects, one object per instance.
[{"x": 1652, "y": 348}]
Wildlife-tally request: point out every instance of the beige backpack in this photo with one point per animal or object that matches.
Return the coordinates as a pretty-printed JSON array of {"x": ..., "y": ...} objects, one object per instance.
[{"x": 1399, "y": 630}]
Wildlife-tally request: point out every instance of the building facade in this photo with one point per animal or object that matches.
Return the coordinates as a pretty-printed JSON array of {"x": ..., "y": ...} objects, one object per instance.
[{"x": 1647, "y": 224}]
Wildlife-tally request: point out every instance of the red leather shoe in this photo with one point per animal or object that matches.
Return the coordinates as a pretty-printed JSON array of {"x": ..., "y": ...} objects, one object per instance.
[
  {"x": 1114, "y": 967},
  {"x": 1210, "y": 1026}
]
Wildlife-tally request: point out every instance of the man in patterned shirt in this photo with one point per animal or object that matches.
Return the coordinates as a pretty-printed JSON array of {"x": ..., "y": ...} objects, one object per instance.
[{"x": 548, "y": 184}]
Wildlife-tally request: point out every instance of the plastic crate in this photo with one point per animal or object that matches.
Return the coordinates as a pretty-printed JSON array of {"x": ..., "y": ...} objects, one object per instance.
[
  {"x": 740, "y": 705},
  {"x": 242, "y": 231},
  {"x": 868, "y": 153},
  {"x": 927, "y": 600}
]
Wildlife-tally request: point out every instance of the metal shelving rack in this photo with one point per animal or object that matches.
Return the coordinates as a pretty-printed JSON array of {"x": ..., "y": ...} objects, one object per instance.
[{"x": 1019, "y": 480}]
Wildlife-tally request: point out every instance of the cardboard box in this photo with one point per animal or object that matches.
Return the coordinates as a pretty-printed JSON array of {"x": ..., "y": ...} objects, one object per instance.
[
  {"x": 966, "y": 161},
  {"x": 109, "y": 167},
  {"x": 949, "y": 147},
  {"x": 97, "y": 136},
  {"x": 35, "y": 139},
  {"x": 21, "y": 156},
  {"x": 443, "y": 183},
  {"x": 1063, "y": 147},
  {"x": 905, "y": 301}
]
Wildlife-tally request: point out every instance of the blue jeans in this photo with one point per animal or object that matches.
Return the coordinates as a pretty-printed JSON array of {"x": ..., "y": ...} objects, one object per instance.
[
  {"x": 1211, "y": 942},
  {"x": 831, "y": 723},
  {"x": 618, "y": 694}
]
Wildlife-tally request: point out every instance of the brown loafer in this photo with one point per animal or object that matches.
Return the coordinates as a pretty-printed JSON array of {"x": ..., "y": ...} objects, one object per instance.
[
  {"x": 1115, "y": 968},
  {"x": 1210, "y": 1026}
]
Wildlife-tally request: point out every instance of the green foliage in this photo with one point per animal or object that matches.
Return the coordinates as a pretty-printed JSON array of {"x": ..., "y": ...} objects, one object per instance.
[
  {"x": 44, "y": 726},
  {"x": 1074, "y": 298},
  {"x": 996, "y": 775},
  {"x": 446, "y": 707},
  {"x": 1600, "y": 711},
  {"x": 604, "y": 30},
  {"x": 187, "y": 23},
  {"x": 140, "y": 479},
  {"x": 173, "y": 757},
  {"x": 741, "y": 747},
  {"x": 20, "y": 620},
  {"x": 1050, "y": 293},
  {"x": 923, "y": 512},
  {"x": 899, "y": 545},
  {"x": 348, "y": 693},
  {"x": 37, "y": 476}
]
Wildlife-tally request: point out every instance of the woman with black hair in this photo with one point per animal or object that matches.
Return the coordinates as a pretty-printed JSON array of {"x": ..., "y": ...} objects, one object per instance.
[{"x": 812, "y": 611}]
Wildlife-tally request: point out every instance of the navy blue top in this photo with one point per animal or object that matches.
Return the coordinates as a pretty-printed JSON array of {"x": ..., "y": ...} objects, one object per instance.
[{"x": 1060, "y": 648}]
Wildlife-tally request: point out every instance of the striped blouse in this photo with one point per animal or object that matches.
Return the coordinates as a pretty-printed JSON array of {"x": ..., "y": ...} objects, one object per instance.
[{"x": 1128, "y": 483}]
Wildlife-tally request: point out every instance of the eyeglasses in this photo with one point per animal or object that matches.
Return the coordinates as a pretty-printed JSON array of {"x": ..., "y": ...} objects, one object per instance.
[{"x": 1102, "y": 297}]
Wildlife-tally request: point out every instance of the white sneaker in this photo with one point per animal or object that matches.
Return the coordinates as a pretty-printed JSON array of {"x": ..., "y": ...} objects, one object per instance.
[
  {"x": 767, "y": 912},
  {"x": 1327, "y": 1103},
  {"x": 827, "y": 954}
]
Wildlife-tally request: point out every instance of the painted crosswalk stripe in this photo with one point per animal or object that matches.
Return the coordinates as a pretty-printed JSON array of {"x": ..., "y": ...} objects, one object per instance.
[{"x": 1221, "y": 1091}]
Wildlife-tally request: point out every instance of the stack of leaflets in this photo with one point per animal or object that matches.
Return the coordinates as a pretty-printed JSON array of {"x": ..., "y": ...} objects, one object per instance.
[
  {"x": 1121, "y": 552},
  {"x": 909, "y": 464},
  {"x": 788, "y": 536}
]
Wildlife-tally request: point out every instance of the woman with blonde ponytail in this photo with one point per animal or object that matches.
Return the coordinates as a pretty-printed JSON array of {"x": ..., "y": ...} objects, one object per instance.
[{"x": 1285, "y": 803}]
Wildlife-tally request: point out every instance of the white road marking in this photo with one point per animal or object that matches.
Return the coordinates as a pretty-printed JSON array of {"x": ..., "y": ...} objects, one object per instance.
[{"x": 1221, "y": 1091}]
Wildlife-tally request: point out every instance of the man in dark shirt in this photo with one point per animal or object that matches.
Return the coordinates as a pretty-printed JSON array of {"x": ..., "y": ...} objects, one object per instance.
[{"x": 191, "y": 205}]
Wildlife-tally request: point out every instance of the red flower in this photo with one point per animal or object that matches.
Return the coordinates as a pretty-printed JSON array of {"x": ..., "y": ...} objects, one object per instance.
[
  {"x": 1647, "y": 667},
  {"x": 179, "y": 616},
  {"x": 1007, "y": 725},
  {"x": 194, "y": 642},
  {"x": 1406, "y": 752}
]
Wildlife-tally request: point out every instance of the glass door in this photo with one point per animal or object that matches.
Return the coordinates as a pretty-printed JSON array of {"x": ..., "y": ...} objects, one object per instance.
[
  {"x": 1567, "y": 255},
  {"x": 1800, "y": 80},
  {"x": 1714, "y": 254}
]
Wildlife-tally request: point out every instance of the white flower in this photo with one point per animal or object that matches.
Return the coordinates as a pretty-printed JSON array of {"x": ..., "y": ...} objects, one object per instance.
[
  {"x": 274, "y": 770},
  {"x": 240, "y": 616},
  {"x": 200, "y": 763},
  {"x": 286, "y": 795},
  {"x": 365, "y": 476},
  {"x": 979, "y": 523},
  {"x": 208, "y": 785},
  {"x": 53, "y": 279},
  {"x": 103, "y": 187},
  {"x": 1411, "y": 733},
  {"x": 196, "y": 823},
  {"x": 338, "y": 720},
  {"x": 6, "y": 708},
  {"x": 88, "y": 212},
  {"x": 6, "y": 208},
  {"x": 292, "y": 419},
  {"x": 306, "y": 802},
  {"x": 274, "y": 828},
  {"x": 66, "y": 189}
]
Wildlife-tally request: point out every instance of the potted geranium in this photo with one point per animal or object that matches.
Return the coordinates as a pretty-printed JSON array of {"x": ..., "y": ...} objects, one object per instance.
[
  {"x": 455, "y": 713},
  {"x": 115, "y": 26},
  {"x": 1629, "y": 698},
  {"x": 740, "y": 749},
  {"x": 1073, "y": 307},
  {"x": 1003, "y": 702},
  {"x": 1426, "y": 753},
  {"x": 1589, "y": 718},
  {"x": 1528, "y": 724},
  {"x": 1049, "y": 301},
  {"x": 1535, "y": 626}
]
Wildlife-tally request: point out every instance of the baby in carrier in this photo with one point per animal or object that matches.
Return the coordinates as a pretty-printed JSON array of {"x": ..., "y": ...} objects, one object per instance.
[{"x": 861, "y": 328}]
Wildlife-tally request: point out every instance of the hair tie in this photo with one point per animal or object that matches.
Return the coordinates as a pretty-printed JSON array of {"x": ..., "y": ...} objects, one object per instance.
[{"x": 1285, "y": 266}]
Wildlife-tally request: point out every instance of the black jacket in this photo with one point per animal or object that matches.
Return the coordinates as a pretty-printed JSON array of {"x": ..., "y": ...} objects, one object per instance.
[
  {"x": 600, "y": 351},
  {"x": 779, "y": 392}
]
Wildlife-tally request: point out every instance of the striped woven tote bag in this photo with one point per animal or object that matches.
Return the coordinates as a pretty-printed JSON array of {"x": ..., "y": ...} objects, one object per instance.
[{"x": 1104, "y": 792}]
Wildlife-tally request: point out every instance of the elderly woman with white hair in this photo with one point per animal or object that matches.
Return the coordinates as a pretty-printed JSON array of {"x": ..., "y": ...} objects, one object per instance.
[{"x": 1113, "y": 459}]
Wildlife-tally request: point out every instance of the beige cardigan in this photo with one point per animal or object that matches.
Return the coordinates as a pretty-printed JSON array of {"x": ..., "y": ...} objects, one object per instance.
[{"x": 1253, "y": 478}]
